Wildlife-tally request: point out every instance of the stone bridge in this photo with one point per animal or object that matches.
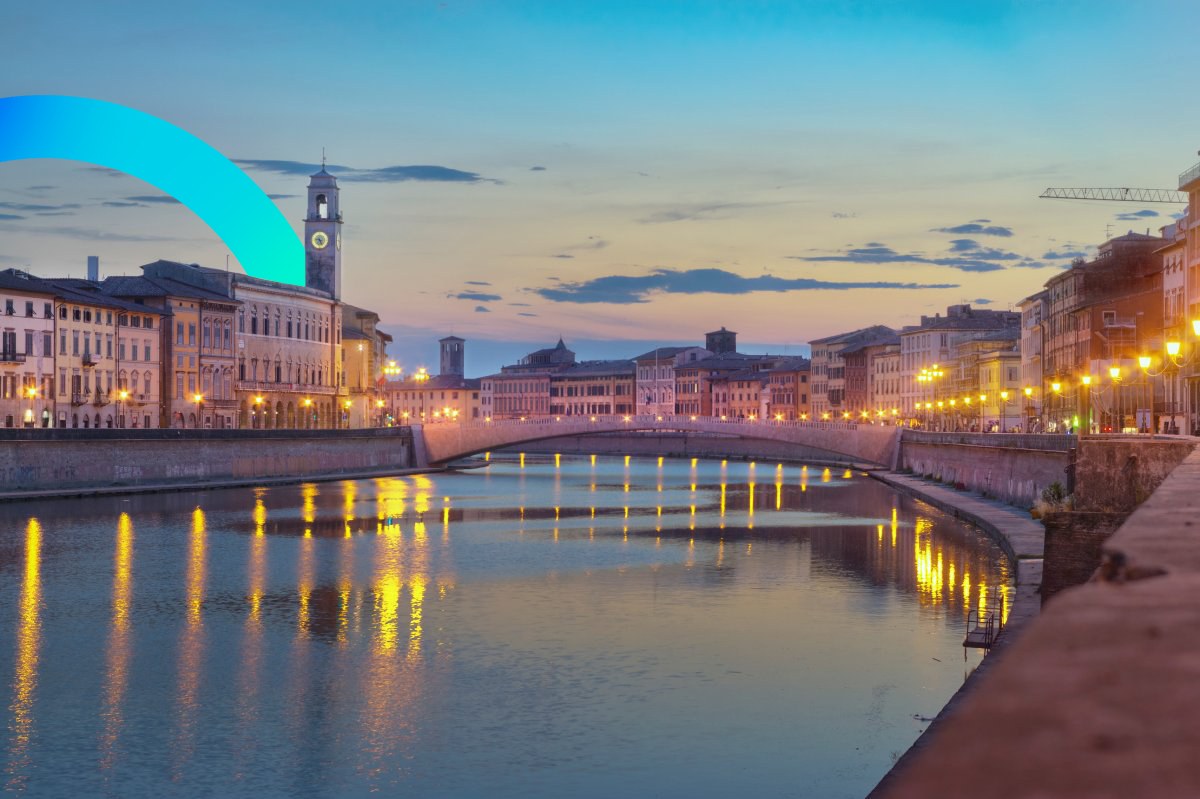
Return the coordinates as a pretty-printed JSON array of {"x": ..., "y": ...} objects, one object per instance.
[{"x": 443, "y": 442}]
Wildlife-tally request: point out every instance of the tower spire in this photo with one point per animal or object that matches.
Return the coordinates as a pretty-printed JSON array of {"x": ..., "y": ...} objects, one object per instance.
[{"x": 322, "y": 159}]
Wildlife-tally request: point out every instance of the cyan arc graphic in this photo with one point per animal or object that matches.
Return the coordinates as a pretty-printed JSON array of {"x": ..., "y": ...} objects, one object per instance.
[{"x": 165, "y": 156}]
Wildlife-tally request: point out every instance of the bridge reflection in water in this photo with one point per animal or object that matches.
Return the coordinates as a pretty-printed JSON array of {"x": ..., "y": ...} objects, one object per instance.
[{"x": 371, "y": 635}]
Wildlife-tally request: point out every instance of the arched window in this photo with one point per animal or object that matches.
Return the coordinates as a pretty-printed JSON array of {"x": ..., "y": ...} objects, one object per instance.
[
  {"x": 146, "y": 377},
  {"x": 254, "y": 320},
  {"x": 322, "y": 207}
]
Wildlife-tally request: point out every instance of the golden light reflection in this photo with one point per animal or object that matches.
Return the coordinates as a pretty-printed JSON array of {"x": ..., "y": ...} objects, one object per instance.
[
  {"x": 522, "y": 460},
  {"x": 825, "y": 476},
  {"x": 557, "y": 460},
  {"x": 304, "y": 615},
  {"x": 191, "y": 650},
  {"x": 29, "y": 639},
  {"x": 308, "y": 497},
  {"x": 417, "y": 591},
  {"x": 119, "y": 649}
]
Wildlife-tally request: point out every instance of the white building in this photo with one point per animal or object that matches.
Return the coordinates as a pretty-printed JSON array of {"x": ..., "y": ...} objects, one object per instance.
[{"x": 655, "y": 389}]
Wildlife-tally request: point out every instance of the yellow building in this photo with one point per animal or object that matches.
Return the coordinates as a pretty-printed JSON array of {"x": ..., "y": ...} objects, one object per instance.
[{"x": 426, "y": 399}]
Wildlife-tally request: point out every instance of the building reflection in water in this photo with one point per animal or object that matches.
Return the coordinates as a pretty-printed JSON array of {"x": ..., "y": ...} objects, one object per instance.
[
  {"x": 374, "y": 577},
  {"x": 25, "y": 676},
  {"x": 119, "y": 643}
]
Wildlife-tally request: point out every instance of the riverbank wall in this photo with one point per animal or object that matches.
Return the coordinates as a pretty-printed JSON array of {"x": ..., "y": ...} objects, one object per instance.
[{"x": 45, "y": 463}]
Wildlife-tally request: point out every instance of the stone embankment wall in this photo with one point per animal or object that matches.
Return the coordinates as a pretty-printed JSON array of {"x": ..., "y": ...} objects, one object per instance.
[
  {"x": 78, "y": 460},
  {"x": 1011, "y": 468},
  {"x": 1098, "y": 697},
  {"x": 679, "y": 445}
]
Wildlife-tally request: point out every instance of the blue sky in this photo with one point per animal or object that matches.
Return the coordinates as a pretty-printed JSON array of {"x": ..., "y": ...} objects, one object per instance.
[{"x": 629, "y": 171}]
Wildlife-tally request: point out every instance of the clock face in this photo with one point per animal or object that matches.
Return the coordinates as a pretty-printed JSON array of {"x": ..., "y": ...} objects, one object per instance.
[
  {"x": 320, "y": 240},
  {"x": 338, "y": 240}
]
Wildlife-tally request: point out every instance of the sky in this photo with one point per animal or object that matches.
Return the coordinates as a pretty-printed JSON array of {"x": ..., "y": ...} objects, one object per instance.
[{"x": 624, "y": 174}]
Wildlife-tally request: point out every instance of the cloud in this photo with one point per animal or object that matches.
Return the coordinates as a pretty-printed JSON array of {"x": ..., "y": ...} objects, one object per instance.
[
  {"x": 1133, "y": 216},
  {"x": 122, "y": 204},
  {"x": 977, "y": 227},
  {"x": 103, "y": 170},
  {"x": 629, "y": 289},
  {"x": 476, "y": 296},
  {"x": 526, "y": 314},
  {"x": 39, "y": 188},
  {"x": 844, "y": 214},
  {"x": 92, "y": 234},
  {"x": 874, "y": 252},
  {"x": 699, "y": 211},
  {"x": 9, "y": 217},
  {"x": 478, "y": 283},
  {"x": 157, "y": 199},
  {"x": 562, "y": 255},
  {"x": 537, "y": 169},
  {"x": 982, "y": 301},
  {"x": 37, "y": 208},
  {"x": 481, "y": 309},
  {"x": 282, "y": 196},
  {"x": 1053, "y": 254},
  {"x": 387, "y": 174},
  {"x": 520, "y": 305}
]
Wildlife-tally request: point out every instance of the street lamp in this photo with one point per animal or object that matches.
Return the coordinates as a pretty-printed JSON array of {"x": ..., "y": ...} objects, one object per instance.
[
  {"x": 198, "y": 399},
  {"x": 1028, "y": 408},
  {"x": 306, "y": 404},
  {"x": 31, "y": 392},
  {"x": 122, "y": 395},
  {"x": 1003, "y": 411},
  {"x": 257, "y": 412},
  {"x": 1086, "y": 408},
  {"x": 982, "y": 400}
]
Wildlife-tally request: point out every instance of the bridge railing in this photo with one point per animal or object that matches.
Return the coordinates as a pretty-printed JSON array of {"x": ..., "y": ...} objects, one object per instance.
[
  {"x": 665, "y": 421},
  {"x": 1049, "y": 442}
]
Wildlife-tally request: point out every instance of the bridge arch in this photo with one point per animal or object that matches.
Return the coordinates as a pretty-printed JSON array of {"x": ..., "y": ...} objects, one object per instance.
[{"x": 441, "y": 443}]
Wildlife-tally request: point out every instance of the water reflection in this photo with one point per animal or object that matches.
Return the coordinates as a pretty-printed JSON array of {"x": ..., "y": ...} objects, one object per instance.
[
  {"x": 29, "y": 641},
  {"x": 468, "y": 629},
  {"x": 119, "y": 643},
  {"x": 191, "y": 648}
]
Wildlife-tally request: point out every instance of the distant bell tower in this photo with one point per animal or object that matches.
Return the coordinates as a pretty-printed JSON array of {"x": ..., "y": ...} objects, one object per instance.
[
  {"x": 452, "y": 356},
  {"x": 720, "y": 341},
  {"x": 323, "y": 235}
]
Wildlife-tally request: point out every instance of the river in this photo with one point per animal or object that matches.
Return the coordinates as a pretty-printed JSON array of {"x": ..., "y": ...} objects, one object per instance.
[{"x": 540, "y": 627}]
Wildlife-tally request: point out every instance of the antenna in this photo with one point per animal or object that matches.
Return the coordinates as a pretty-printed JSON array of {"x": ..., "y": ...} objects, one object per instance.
[
  {"x": 322, "y": 158},
  {"x": 1107, "y": 232}
]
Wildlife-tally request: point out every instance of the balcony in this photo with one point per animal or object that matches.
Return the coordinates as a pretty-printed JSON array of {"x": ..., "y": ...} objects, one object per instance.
[
  {"x": 1189, "y": 176},
  {"x": 12, "y": 357},
  {"x": 79, "y": 399},
  {"x": 88, "y": 359}
]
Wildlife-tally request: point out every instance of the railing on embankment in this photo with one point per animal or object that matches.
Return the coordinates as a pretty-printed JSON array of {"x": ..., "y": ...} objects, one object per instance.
[{"x": 78, "y": 460}]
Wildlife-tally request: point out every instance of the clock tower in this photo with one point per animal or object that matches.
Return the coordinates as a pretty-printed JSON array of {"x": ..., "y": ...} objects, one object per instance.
[{"x": 323, "y": 235}]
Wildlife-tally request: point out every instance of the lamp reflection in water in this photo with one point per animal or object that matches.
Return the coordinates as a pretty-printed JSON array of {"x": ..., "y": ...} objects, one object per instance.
[
  {"x": 250, "y": 664},
  {"x": 119, "y": 645},
  {"x": 191, "y": 646},
  {"x": 29, "y": 640}
]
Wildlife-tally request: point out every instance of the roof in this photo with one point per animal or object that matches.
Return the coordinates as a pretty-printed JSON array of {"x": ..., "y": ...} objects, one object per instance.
[
  {"x": 617, "y": 368},
  {"x": 793, "y": 365},
  {"x": 879, "y": 341},
  {"x": 86, "y": 291},
  {"x": 719, "y": 332},
  {"x": 16, "y": 280},
  {"x": 143, "y": 286},
  {"x": 662, "y": 353},
  {"x": 354, "y": 333},
  {"x": 746, "y": 374},
  {"x": 993, "y": 320},
  {"x": 451, "y": 338},
  {"x": 854, "y": 335},
  {"x": 435, "y": 383}
]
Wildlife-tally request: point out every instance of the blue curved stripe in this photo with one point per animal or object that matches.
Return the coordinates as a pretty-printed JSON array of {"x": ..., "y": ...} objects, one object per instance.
[{"x": 165, "y": 156}]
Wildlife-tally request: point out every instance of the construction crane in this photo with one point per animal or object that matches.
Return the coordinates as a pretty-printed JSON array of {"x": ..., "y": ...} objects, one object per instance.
[{"x": 1118, "y": 195}]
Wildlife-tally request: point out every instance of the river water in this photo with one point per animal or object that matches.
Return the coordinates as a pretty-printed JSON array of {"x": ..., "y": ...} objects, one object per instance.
[{"x": 541, "y": 627}]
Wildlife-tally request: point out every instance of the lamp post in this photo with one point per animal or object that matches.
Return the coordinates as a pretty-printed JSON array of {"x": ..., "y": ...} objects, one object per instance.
[
  {"x": 31, "y": 392},
  {"x": 982, "y": 407},
  {"x": 347, "y": 405},
  {"x": 1086, "y": 403},
  {"x": 198, "y": 399},
  {"x": 1114, "y": 372},
  {"x": 256, "y": 412},
  {"x": 1056, "y": 387},
  {"x": 307, "y": 404},
  {"x": 379, "y": 410},
  {"x": 1148, "y": 389},
  {"x": 1028, "y": 408},
  {"x": 1003, "y": 411},
  {"x": 122, "y": 395}
]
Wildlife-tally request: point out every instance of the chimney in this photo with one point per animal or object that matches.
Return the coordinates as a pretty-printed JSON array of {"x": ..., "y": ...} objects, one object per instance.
[{"x": 93, "y": 272}]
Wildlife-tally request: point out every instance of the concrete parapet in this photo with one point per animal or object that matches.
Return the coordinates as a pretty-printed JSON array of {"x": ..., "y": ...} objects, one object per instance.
[
  {"x": 1011, "y": 474},
  {"x": 160, "y": 458}
]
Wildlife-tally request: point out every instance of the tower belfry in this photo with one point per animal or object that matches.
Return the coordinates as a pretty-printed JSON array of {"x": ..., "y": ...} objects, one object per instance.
[{"x": 323, "y": 234}]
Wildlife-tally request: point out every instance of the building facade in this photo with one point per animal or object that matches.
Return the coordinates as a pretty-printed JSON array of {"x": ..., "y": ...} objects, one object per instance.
[
  {"x": 27, "y": 359},
  {"x": 594, "y": 388}
]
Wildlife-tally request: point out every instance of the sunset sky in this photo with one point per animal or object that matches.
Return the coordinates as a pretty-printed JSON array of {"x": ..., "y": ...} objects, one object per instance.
[{"x": 634, "y": 171}]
